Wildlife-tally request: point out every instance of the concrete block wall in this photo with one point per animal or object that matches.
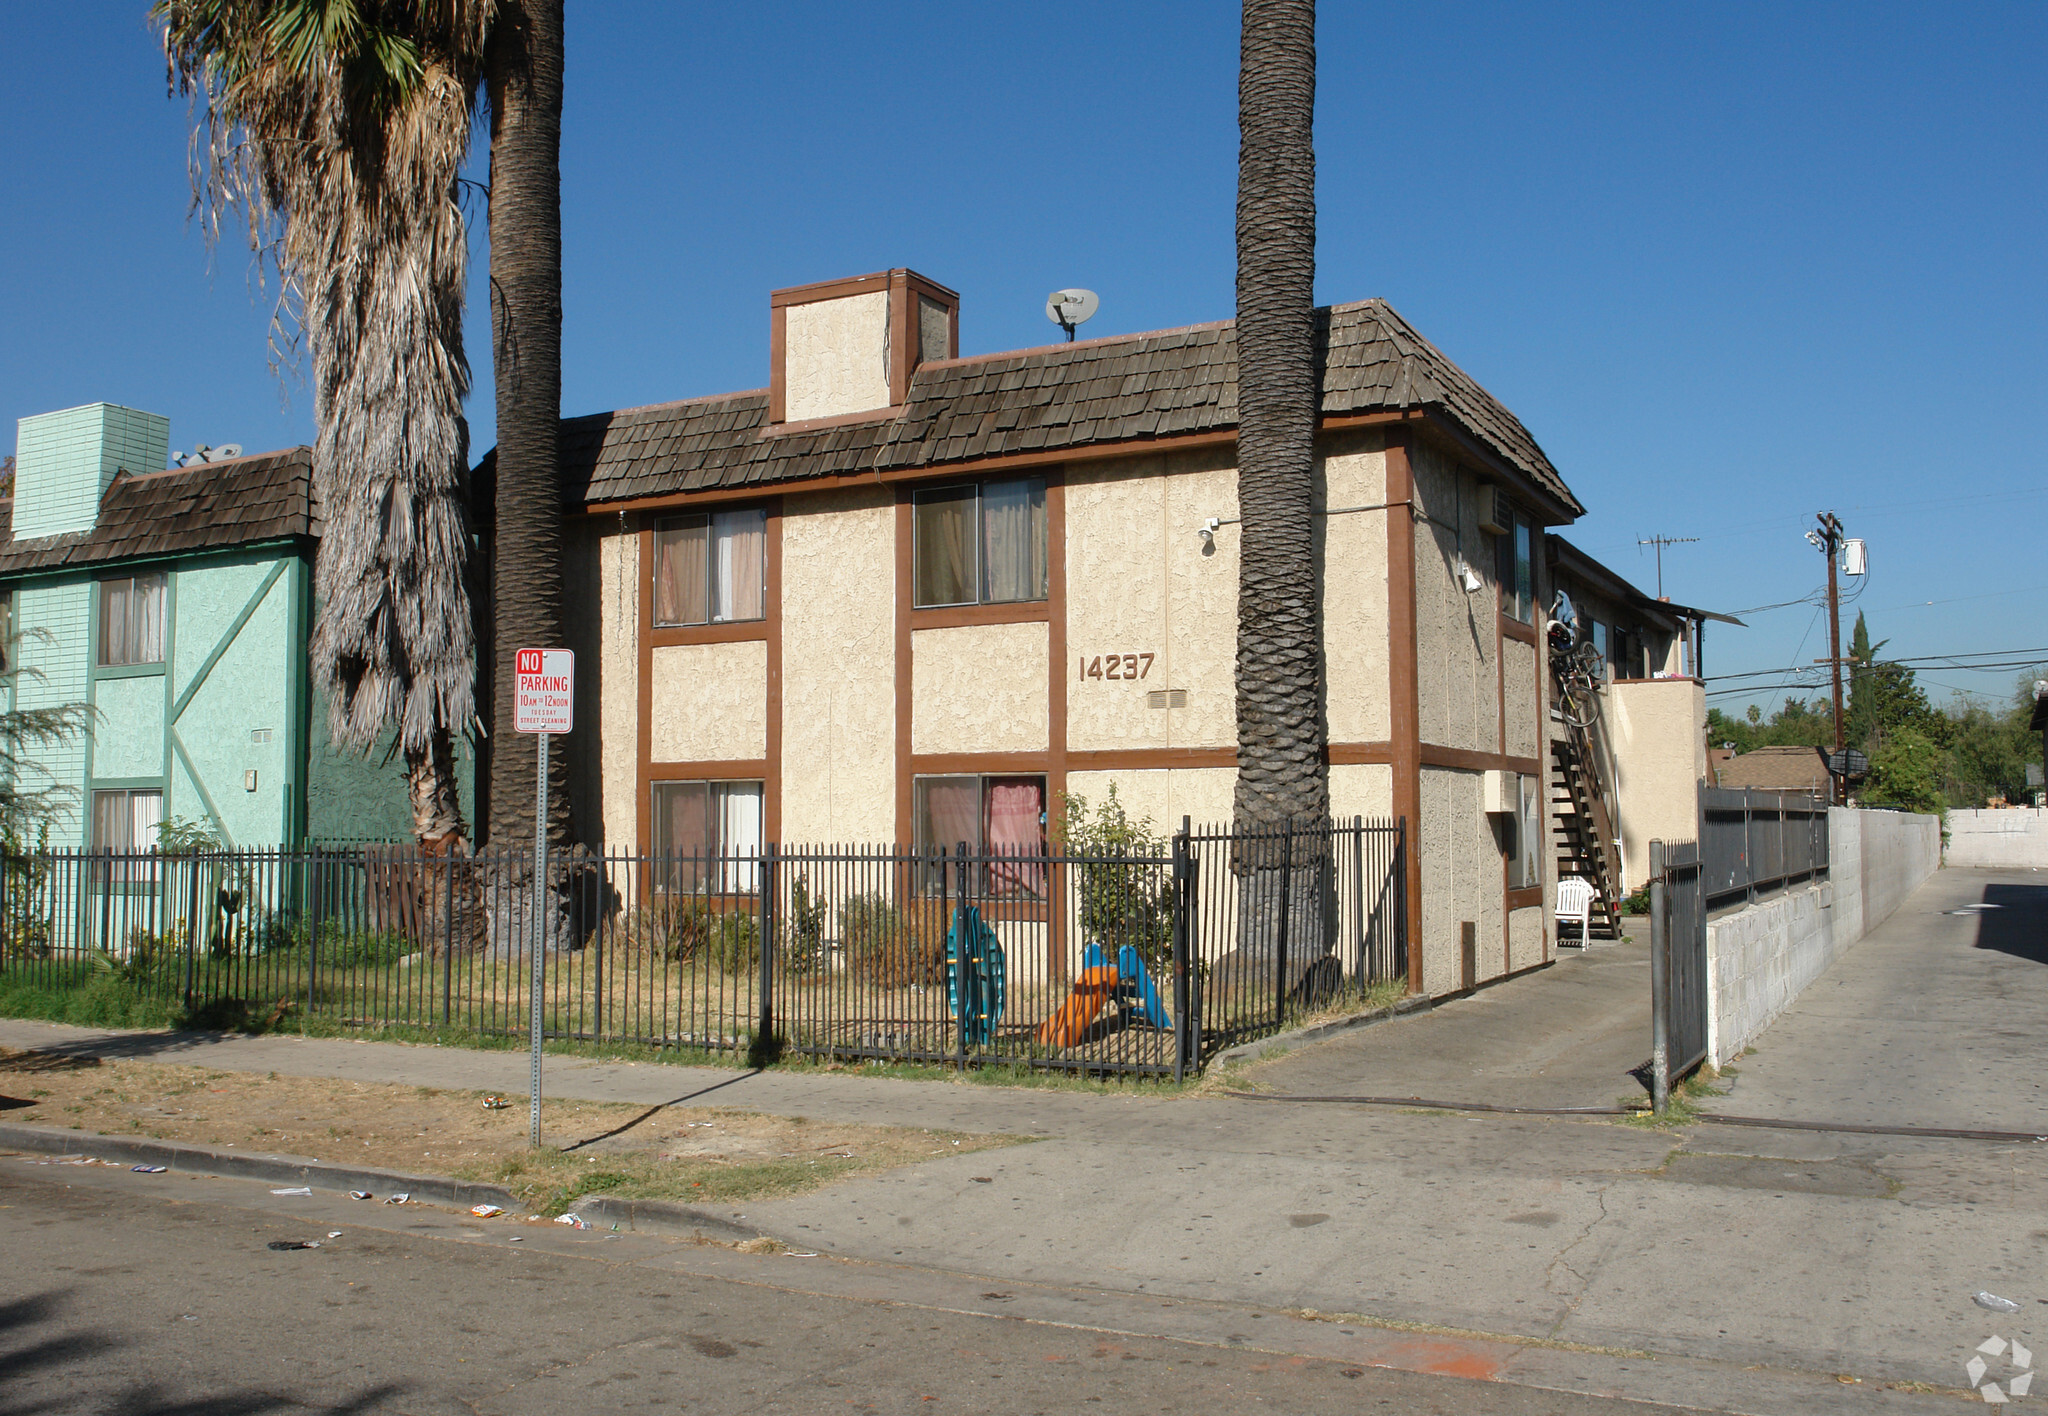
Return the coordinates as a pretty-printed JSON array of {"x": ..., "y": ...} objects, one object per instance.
[
  {"x": 1761, "y": 958},
  {"x": 2015, "y": 839},
  {"x": 64, "y": 461}
]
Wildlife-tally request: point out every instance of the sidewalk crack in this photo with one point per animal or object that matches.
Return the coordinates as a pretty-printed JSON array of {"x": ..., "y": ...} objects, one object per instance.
[{"x": 1562, "y": 1279}]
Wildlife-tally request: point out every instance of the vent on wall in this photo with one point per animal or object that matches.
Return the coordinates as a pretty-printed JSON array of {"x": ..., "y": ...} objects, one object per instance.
[{"x": 1496, "y": 514}]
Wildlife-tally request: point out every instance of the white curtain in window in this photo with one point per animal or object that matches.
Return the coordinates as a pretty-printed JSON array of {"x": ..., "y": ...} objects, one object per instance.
[
  {"x": 740, "y": 540},
  {"x": 740, "y": 834},
  {"x": 681, "y": 579},
  {"x": 1526, "y": 869},
  {"x": 945, "y": 572},
  {"x": 145, "y": 814},
  {"x": 147, "y": 629},
  {"x": 1013, "y": 541}
]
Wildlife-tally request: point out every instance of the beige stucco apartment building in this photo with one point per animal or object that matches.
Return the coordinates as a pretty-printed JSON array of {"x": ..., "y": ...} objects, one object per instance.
[{"x": 899, "y": 596}]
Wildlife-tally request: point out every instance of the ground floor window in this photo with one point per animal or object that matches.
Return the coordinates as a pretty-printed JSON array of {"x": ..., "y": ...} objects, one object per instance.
[
  {"x": 1525, "y": 850},
  {"x": 708, "y": 836},
  {"x": 999, "y": 818},
  {"x": 125, "y": 822}
]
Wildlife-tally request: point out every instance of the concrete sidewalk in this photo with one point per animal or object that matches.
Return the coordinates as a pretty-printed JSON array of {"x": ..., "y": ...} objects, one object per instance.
[{"x": 1795, "y": 1250}]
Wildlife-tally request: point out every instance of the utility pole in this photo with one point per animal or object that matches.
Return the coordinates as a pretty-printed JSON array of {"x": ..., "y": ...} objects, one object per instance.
[
  {"x": 1828, "y": 540},
  {"x": 1660, "y": 542}
]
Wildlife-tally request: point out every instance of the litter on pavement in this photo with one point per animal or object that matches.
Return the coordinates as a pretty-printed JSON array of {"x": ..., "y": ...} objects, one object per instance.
[
  {"x": 495, "y": 1103},
  {"x": 295, "y": 1190},
  {"x": 147, "y": 1169},
  {"x": 573, "y": 1220},
  {"x": 1995, "y": 1303},
  {"x": 401, "y": 1198},
  {"x": 283, "y": 1244},
  {"x": 361, "y": 1195},
  {"x": 486, "y": 1211}
]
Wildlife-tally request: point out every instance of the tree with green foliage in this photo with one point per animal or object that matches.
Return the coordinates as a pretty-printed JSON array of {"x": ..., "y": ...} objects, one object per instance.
[
  {"x": 1884, "y": 698},
  {"x": 1906, "y": 773}
]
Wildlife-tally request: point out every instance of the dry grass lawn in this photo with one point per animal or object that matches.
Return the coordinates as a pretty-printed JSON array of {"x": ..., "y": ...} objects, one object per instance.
[{"x": 708, "y": 1154}]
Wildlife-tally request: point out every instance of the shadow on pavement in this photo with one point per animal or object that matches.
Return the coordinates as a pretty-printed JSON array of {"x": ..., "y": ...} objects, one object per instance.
[
  {"x": 33, "y": 1343},
  {"x": 2019, "y": 924}
]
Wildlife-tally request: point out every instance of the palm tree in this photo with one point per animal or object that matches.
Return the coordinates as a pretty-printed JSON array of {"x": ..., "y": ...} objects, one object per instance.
[
  {"x": 523, "y": 77},
  {"x": 337, "y": 128},
  {"x": 1282, "y": 767}
]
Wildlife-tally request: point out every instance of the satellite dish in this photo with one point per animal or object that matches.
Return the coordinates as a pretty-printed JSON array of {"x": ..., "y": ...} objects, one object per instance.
[
  {"x": 227, "y": 450},
  {"x": 1068, "y": 308}
]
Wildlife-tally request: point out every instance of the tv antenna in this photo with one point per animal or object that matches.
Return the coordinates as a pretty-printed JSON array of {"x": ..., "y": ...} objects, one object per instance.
[
  {"x": 1660, "y": 542},
  {"x": 1071, "y": 308}
]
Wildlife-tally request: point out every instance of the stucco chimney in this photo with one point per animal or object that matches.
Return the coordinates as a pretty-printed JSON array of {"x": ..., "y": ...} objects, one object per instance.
[
  {"x": 843, "y": 348},
  {"x": 64, "y": 462}
]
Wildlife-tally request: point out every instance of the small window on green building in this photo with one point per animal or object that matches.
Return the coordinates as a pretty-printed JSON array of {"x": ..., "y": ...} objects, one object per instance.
[{"x": 132, "y": 620}]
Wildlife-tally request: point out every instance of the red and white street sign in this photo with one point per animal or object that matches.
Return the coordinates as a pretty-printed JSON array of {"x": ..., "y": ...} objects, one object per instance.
[{"x": 544, "y": 691}]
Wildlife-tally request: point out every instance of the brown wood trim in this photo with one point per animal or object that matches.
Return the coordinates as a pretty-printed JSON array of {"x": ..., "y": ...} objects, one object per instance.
[
  {"x": 902, "y": 337},
  {"x": 1523, "y": 899},
  {"x": 1512, "y": 628},
  {"x": 1466, "y": 759},
  {"x": 1404, "y": 695},
  {"x": 1359, "y": 754},
  {"x": 904, "y": 823},
  {"x": 829, "y": 289},
  {"x": 644, "y": 736},
  {"x": 963, "y": 764},
  {"x": 1500, "y": 697},
  {"x": 1055, "y": 659},
  {"x": 1024, "y": 612},
  {"x": 771, "y": 790},
  {"x": 664, "y": 636},
  {"x": 738, "y": 769},
  {"x": 1146, "y": 759},
  {"x": 778, "y": 353},
  {"x": 1379, "y": 417}
]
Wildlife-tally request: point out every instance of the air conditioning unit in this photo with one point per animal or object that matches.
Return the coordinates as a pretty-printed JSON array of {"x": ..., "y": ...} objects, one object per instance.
[
  {"x": 1498, "y": 794},
  {"x": 1496, "y": 512}
]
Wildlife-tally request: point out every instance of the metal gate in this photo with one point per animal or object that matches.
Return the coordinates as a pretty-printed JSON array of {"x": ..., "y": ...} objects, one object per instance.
[{"x": 1678, "y": 964}]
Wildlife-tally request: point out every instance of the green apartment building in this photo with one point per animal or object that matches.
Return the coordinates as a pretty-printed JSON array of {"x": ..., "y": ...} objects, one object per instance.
[{"x": 177, "y": 601}]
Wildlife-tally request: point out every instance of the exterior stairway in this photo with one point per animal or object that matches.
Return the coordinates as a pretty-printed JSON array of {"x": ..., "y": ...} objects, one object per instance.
[{"x": 1585, "y": 838}]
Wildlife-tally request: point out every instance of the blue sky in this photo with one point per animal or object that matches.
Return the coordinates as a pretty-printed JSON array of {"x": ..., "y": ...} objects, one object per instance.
[{"x": 1732, "y": 265}]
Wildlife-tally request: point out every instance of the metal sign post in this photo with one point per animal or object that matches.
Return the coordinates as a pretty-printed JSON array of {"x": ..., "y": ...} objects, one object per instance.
[{"x": 543, "y": 703}]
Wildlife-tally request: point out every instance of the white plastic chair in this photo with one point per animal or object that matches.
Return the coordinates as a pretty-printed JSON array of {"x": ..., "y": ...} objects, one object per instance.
[{"x": 1575, "y": 896}]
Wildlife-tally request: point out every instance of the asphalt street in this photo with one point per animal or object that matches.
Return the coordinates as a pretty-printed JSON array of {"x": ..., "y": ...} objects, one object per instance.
[{"x": 123, "y": 1296}]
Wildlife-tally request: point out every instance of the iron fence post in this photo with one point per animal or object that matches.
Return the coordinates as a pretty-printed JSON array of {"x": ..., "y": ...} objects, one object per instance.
[
  {"x": 957, "y": 965},
  {"x": 1181, "y": 871},
  {"x": 1363, "y": 969},
  {"x": 1660, "y": 984},
  {"x": 1286, "y": 913},
  {"x": 313, "y": 928},
  {"x": 448, "y": 941},
  {"x": 765, "y": 1028}
]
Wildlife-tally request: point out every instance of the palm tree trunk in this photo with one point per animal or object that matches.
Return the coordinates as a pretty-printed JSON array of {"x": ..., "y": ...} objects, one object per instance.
[
  {"x": 1282, "y": 767},
  {"x": 523, "y": 77}
]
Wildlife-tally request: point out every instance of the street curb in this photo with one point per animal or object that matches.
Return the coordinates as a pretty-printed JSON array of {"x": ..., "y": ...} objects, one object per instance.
[
  {"x": 661, "y": 1217},
  {"x": 290, "y": 1170},
  {"x": 1316, "y": 1032}
]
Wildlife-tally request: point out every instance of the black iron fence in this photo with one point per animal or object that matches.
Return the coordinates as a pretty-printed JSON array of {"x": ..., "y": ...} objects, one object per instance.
[
  {"x": 1139, "y": 962},
  {"x": 1753, "y": 842}
]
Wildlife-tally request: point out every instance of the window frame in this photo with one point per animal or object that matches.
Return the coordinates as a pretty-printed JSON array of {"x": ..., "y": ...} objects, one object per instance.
[
  {"x": 708, "y": 519},
  {"x": 104, "y": 594},
  {"x": 1526, "y": 834},
  {"x": 120, "y": 867},
  {"x": 993, "y": 881},
  {"x": 978, "y": 538},
  {"x": 720, "y": 869}
]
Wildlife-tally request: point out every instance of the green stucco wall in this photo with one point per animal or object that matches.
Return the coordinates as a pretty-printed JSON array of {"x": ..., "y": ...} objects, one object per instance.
[
  {"x": 362, "y": 798},
  {"x": 54, "y": 620}
]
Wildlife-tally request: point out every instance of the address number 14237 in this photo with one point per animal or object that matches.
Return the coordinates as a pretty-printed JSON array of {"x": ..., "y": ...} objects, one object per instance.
[{"x": 1116, "y": 666}]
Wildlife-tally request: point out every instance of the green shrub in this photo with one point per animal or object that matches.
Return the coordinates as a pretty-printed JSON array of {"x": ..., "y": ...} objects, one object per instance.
[
  {"x": 887, "y": 947},
  {"x": 803, "y": 935},
  {"x": 734, "y": 943},
  {"x": 1121, "y": 902}
]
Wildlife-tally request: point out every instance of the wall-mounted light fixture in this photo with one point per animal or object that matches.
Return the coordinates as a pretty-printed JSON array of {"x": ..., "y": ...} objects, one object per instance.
[{"x": 1467, "y": 578}]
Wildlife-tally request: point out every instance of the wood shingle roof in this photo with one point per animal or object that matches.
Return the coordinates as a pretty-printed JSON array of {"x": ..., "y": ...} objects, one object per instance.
[
  {"x": 216, "y": 506},
  {"x": 1125, "y": 390}
]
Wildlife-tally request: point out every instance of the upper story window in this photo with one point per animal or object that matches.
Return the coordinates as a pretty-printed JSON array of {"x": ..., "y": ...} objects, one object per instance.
[
  {"x": 981, "y": 544},
  {"x": 1513, "y": 566},
  {"x": 711, "y": 569},
  {"x": 132, "y": 620},
  {"x": 1600, "y": 648}
]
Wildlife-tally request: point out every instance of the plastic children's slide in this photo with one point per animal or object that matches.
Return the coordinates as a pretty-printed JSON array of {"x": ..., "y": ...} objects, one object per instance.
[{"x": 1128, "y": 983}]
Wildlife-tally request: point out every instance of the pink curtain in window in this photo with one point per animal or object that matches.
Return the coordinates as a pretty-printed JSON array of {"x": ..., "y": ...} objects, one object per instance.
[{"x": 1015, "y": 809}]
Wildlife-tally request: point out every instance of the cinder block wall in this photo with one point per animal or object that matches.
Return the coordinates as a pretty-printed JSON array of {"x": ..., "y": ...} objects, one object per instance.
[
  {"x": 1762, "y": 958},
  {"x": 2015, "y": 839}
]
